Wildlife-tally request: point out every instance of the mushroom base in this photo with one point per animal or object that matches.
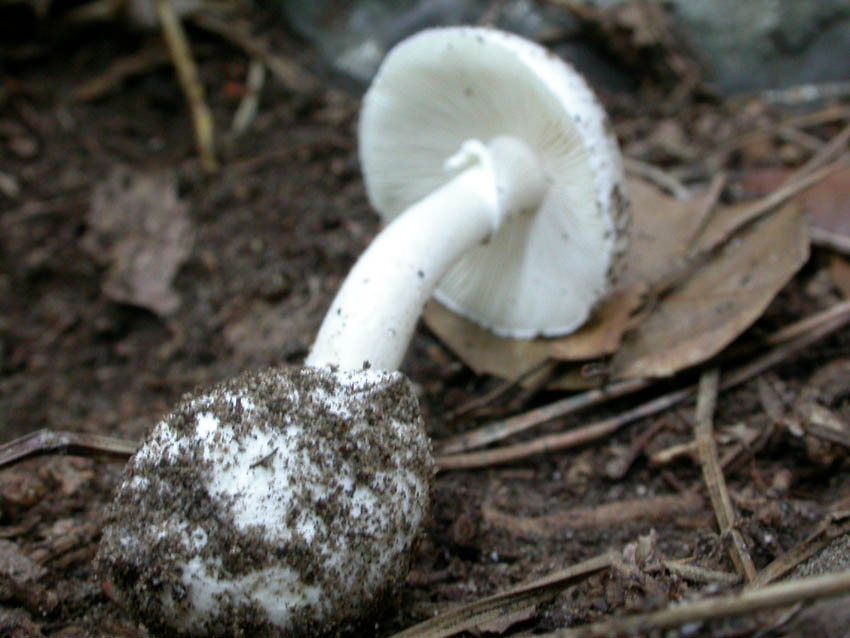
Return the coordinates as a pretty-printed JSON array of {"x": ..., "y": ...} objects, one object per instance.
[{"x": 283, "y": 502}]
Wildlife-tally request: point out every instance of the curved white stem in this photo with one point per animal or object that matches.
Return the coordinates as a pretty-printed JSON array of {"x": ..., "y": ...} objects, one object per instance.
[{"x": 373, "y": 316}]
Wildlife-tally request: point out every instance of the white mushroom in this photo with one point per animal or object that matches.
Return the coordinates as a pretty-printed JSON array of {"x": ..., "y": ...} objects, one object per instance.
[
  {"x": 504, "y": 186},
  {"x": 286, "y": 502}
]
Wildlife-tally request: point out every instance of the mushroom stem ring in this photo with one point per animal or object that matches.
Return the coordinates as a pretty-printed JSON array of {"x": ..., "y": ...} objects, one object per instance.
[{"x": 373, "y": 316}]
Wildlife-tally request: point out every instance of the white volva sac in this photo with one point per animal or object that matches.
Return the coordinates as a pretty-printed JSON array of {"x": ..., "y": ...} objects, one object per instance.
[{"x": 287, "y": 502}]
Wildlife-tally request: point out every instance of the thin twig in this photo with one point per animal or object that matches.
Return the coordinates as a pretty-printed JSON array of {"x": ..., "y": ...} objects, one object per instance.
[
  {"x": 808, "y": 141},
  {"x": 827, "y": 115},
  {"x": 187, "y": 73},
  {"x": 246, "y": 113},
  {"x": 601, "y": 517},
  {"x": 563, "y": 440},
  {"x": 830, "y": 151},
  {"x": 757, "y": 209},
  {"x": 713, "y": 475},
  {"x": 479, "y": 402},
  {"x": 806, "y": 93},
  {"x": 599, "y": 429},
  {"x": 619, "y": 466},
  {"x": 43, "y": 442},
  {"x": 799, "y": 328},
  {"x": 657, "y": 176},
  {"x": 292, "y": 76},
  {"x": 499, "y": 430},
  {"x": 837, "y": 242},
  {"x": 493, "y": 608},
  {"x": 771, "y": 597},
  {"x": 715, "y": 189},
  {"x": 698, "y": 574},
  {"x": 118, "y": 71},
  {"x": 836, "y": 524}
]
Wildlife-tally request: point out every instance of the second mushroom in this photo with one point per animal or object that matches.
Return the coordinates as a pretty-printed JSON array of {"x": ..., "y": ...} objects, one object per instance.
[{"x": 286, "y": 502}]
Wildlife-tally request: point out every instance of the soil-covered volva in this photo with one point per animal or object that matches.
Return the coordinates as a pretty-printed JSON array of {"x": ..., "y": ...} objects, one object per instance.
[{"x": 281, "y": 502}]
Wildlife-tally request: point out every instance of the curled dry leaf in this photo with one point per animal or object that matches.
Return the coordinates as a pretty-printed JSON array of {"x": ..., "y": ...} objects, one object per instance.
[
  {"x": 141, "y": 231},
  {"x": 488, "y": 353},
  {"x": 719, "y": 301}
]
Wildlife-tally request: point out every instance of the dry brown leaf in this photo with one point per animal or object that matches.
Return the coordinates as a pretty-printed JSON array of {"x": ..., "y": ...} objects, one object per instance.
[
  {"x": 662, "y": 232},
  {"x": 480, "y": 349},
  {"x": 141, "y": 230},
  {"x": 718, "y": 302},
  {"x": 827, "y": 204},
  {"x": 486, "y": 352},
  {"x": 663, "y": 229}
]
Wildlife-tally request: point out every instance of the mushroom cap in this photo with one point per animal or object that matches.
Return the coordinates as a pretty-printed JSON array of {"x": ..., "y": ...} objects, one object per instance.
[
  {"x": 281, "y": 503},
  {"x": 543, "y": 272}
]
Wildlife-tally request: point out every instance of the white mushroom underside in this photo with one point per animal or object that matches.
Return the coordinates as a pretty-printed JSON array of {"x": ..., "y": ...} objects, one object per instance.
[{"x": 481, "y": 84}]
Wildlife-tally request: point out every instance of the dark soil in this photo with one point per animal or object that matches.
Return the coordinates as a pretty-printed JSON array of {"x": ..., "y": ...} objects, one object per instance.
[{"x": 275, "y": 231}]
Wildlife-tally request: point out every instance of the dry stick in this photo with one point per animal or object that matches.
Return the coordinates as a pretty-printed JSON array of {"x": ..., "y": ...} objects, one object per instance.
[
  {"x": 771, "y": 597},
  {"x": 43, "y": 442},
  {"x": 658, "y": 176},
  {"x": 561, "y": 441},
  {"x": 246, "y": 113},
  {"x": 120, "y": 70},
  {"x": 806, "y": 93},
  {"x": 698, "y": 574},
  {"x": 715, "y": 189},
  {"x": 479, "y": 402},
  {"x": 187, "y": 73},
  {"x": 836, "y": 524},
  {"x": 792, "y": 331},
  {"x": 506, "y": 604},
  {"x": 808, "y": 141},
  {"x": 804, "y": 326},
  {"x": 758, "y": 208},
  {"x": 829, "y": 152},
  {"x": 619, "y": 466},
  {"x": 502, "y": 429},
  {"x": 713, "y": 475},
  {"x": 605, "y": 516},
  {"x": 292, "y": 76},
  {"x": 837, "y": 242},
  {"x": 831, "y": 113},
  {"x": 594, "y": 431}
]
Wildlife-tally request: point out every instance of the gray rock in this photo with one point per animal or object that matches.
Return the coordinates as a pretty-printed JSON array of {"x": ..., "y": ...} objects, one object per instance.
[
  {"x": 760, "y": 44},
  {"x": 743, "y": 45}
]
